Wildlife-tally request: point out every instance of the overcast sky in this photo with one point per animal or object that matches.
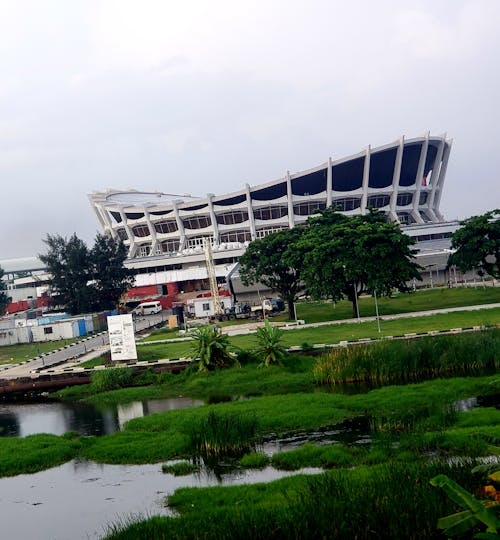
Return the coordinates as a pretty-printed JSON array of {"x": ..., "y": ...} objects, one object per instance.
[{"x": 197, "y": 97}]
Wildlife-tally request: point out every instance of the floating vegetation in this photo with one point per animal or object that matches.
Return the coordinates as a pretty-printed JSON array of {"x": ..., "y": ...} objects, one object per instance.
[
  {"x": 181, "y": 468},
  {"x": 411, "y": 360}
]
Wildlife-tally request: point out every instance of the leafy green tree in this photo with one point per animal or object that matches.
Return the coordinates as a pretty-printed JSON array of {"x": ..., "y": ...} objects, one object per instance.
[
  {"x": 349, "y": 256},
  {"x": 110, "y": 277},
  {"x": 4, "y": 300},
  {"x": 265, "y": 262},
  {"x": 69, "y": 264},
  {"x": 211, "y": 347},
  {"x": 86, "y": 280},
  {"x": 271, "y": 349},
  {"x": 477, "y": 244}
]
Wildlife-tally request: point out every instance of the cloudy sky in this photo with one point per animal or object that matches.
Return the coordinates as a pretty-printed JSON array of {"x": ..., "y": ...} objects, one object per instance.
[{"x": 196, "y": 97}]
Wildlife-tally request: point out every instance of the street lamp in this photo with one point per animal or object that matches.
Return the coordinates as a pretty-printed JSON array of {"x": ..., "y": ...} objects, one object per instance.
[{"x": 376, "y": 309}]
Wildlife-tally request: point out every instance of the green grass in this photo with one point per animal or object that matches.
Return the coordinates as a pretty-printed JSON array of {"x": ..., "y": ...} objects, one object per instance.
[
  {"x": 411, "y": 360},
  {"x": 339, "y": 332},
  {"x": 421, "y": 300},
  {"x": 182, "y": 468},
  {"x": 35, "y": 453},
  {"x": 390, "y": 501},
  {"x": 13, "y": 354},
  {"x": 166, "y": 436}
]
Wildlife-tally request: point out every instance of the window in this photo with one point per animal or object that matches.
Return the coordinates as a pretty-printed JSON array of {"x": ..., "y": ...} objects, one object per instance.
[
  {"x": 134, "y": 215},
  {"x": 197, "y": 222},
  {"x": 170, "y": 246},
  {"x": 236, "y": 236},
  {"x": 205, "y": 307},
  {"x": 140, "y": 231},
  {"x": 166, "y": 226},
  {"x": 423, "y": 197},
  {"x": 196, "y": 241},
  {"x": 271, "y": 212},
  {"x": 233, "y": 217},
  {"x": 377, "y": 201},
  {"x": 308, "y": 208},
  {"x": 404, "y": 199},
  {"x": 265, "y": 232},
  {"x": 405, "y": 217},
  {"x": 143, "y": 251},
  {"x": 48, "y": 330},
  {"x": 122, "y": 234},
  {"x": 344, "y": 205}
]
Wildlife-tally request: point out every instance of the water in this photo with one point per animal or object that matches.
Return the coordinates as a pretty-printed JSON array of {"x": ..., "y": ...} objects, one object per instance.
[
  {"x": 79, "y": 499},
  {"x": 22, "y": 419}
]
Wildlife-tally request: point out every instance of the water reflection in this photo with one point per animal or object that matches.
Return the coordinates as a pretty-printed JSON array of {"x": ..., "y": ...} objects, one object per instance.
[
  {"x": 78, "y": 500},
  {"x": 22, "y": 419}
]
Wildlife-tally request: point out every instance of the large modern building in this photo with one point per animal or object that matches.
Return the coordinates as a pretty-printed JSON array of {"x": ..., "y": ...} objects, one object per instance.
[{"x": 165, "y": 233}]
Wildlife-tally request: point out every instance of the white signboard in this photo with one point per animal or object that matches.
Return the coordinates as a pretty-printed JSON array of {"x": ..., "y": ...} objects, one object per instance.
[{"x": 121, "y": 337}]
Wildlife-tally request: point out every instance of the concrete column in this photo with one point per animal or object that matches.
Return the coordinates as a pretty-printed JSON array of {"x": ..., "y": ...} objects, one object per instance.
[
  {"x": 291, "y": 220},
  {"x": 436, "y": 172},
  {"x": 250, "y": 212},
  {"x": 152, "y": 232},
  {"x": 180, "y": 226},
  {"x": 213, "y": 218},
  {"x": 418, "y": 179},
  {"x": 440, "y": 182},
  {"x": 132, "y": 247},
  {"x": 329, "y": 183},
  {"x": 395, "y": 179},
  {"x": 366, "y": 178}
]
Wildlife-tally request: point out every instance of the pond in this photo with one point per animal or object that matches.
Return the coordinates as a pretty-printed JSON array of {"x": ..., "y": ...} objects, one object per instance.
[
  {"x": 79, "y": 499},
  {"x": 45, "y": 416}
]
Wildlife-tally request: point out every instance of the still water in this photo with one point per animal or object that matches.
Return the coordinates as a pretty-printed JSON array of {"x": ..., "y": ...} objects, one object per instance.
[
  {"x": 79, "y": 499},
  {"x": 22, "y": 419}
]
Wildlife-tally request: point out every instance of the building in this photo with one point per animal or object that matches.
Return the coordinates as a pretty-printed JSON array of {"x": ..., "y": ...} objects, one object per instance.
[{"x": 164, "y": 233}]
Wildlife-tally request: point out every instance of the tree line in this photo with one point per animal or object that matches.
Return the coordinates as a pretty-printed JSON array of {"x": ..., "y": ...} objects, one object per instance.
[{"x": 334, "y": 256}]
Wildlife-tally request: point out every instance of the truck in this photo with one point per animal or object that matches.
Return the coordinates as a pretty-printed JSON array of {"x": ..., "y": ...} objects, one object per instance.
[{"x": 204, "y": 308}]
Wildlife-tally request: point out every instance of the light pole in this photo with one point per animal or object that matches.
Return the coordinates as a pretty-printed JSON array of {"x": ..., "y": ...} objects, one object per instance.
[
  {"x": 376, "y": 309},
  {"x": 356, "y": 298}
]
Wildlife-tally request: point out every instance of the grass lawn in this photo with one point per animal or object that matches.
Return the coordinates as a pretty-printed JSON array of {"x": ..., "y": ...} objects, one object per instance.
[
  {"x": 421, "y": 300},
  {"x": 13, "y": 354},
  {"x": 340, "y": 332}
]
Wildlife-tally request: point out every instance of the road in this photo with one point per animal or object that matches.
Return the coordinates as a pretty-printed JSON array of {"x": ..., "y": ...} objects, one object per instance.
[{"x": 91, "y": 346}]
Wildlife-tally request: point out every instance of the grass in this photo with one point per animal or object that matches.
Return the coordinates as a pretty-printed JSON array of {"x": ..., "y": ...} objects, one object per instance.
[
  {"x": 339, "y": 332},
  {"x": 390, "y": 501},
  {"x": 421, "y": 300},
  {"x": 14, "y": 354},
  {"x": 182, "y": 468},
  {"x": 411, "y": 360},
  {"x": 36, "y": 453}
]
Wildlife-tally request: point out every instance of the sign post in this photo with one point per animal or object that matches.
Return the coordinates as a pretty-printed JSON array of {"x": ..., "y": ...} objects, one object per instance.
[{"x": 121, "y": 337}]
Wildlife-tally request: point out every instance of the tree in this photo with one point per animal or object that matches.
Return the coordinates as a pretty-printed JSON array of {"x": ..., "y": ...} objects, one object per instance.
[
  {"x": 68, "y": 262},
  {"x": 86, "y": 280},
  {"x": 350, "y": 256},
  {"x": 3, "y": 295},
  {"x": 266, "y": 261},
  {"x": 110, "y": 278},
  {"x": 477, "y": 244}
]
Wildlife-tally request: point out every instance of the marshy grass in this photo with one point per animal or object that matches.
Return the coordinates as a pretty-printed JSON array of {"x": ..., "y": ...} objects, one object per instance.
[
  {"x": 181, "y": 468},
  {"x": 254, "y": 460},
  {"x": 222, "y": 434},
  {"x": 309, "y": 455},
  {"x": 111, "y": 379},
  {"x": 390, "y": 501},
  {"x": 411, "y": 360}
]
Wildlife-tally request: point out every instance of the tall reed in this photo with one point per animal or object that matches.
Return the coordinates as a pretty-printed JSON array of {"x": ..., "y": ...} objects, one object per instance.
[
  {"x": 411, "y": 360},
  {"x": 223, "y": 434}
]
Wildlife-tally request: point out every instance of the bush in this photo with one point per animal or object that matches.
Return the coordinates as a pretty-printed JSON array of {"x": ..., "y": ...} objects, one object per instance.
[
  {"x": 211, "y": 347},
  {"x": 111, "y": 379}
]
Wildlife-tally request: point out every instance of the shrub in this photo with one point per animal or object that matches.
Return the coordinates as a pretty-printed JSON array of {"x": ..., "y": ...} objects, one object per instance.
[
  {"x": 111, "y": 379},
  {"x": 270, "y": 349},
  {"x": 211, "y": 347}
]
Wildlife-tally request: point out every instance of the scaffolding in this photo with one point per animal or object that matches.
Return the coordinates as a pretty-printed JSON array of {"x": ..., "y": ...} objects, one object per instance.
[{"x": 212, "y": 279}]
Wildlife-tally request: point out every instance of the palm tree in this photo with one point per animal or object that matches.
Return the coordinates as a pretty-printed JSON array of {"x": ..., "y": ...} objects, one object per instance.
[
  {"x": 211, "y": 347},
  {"x": 271, "y": 349}
]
